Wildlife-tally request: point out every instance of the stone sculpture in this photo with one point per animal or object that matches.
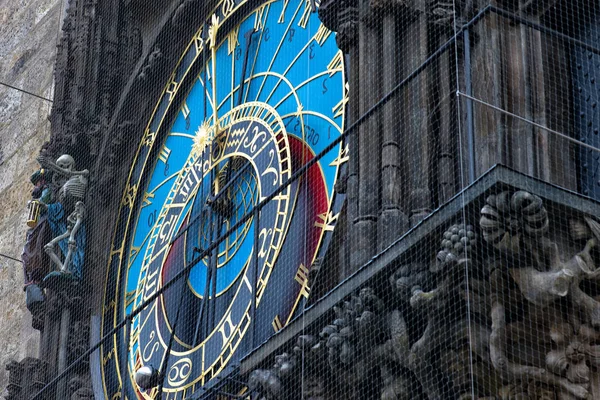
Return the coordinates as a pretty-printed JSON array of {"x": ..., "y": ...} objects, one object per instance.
[{"x": 509, "y": 309}]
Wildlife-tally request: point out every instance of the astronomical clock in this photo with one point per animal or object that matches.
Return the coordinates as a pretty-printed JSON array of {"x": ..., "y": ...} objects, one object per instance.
[{"x": 225, "y": 208}]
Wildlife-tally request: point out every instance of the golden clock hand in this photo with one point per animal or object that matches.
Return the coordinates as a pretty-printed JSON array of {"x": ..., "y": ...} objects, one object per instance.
[
  {"x": 212, "y": 33},
  {"x": 248, "y": 36}
]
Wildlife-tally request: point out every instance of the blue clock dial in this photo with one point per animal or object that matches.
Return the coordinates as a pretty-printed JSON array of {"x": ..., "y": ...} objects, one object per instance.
[{"x": 257, "y": 95}]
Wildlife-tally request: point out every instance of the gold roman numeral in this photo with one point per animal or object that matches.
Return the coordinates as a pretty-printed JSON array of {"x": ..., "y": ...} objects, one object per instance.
[
  {"x": 281, "y": 19},
  {"x": 165, "y": 152},
  {"x": 259, "y": 20},
  {"x": 327, "y": 221},
  {"x": 338, "y": 109},
  {"x": 306, "y": 14},
  {"x": 146, "y": 200},
  {"x": 322, "y": 34},
  {"x": 277, "y": 325},
  {"x": 302, "y": 278},
  {"x": 341, "y": 158},
  {"x": 336, "y": 64},
  {"x": 232, "y": 40},
  {"x": 185, "y": 110}
]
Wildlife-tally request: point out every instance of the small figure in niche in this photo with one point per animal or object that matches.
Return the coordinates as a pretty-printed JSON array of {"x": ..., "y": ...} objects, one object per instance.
[
  {"x": 36, "y": 262},
  {"x": 66, "y": 216}
]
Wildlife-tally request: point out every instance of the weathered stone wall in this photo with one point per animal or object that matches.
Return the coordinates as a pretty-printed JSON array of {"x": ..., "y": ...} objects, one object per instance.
[{"x": 28, "y": 31}]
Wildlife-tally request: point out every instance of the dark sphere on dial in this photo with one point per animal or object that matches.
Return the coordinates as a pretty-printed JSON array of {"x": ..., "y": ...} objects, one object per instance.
[{"x": 146, "y": 377}]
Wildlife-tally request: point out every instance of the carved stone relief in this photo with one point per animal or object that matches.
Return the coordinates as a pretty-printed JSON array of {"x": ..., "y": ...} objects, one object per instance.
[
  {"x": 26, "y": 378},
  {"x": 505, "y": 309}
]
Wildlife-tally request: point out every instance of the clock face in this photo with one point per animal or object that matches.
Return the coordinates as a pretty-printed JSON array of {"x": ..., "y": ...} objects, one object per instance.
[{"x": 257, "y": 94}]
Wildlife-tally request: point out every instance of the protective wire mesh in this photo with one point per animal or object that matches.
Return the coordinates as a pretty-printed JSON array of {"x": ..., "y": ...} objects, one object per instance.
[{"x": 288, "y": 212}]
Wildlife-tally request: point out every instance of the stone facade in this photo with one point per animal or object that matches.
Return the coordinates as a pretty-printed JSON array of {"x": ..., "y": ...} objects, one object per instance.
[{"x": 27, "y": 55}]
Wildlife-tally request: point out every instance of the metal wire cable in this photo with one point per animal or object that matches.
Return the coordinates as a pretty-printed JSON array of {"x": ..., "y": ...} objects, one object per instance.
[
  {"x": 25, "y": 91},
  {"x": 470, "y": 168},
  {"x": 11, "y": 258},
  {"x": 550, "y": 130}
]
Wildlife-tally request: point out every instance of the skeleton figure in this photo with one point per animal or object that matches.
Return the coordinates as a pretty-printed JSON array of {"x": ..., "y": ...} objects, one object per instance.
[
  {"x": 69, "y": 231},
  {"x": 74, "y": 224}
]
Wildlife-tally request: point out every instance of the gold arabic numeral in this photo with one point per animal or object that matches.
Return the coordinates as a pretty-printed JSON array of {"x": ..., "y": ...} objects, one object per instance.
[
  {"x": 226, "y": 330},
  {"x": 227, "y": 9},
  {"x": 199, "y": 42},
  {"x": 277, "y": 325},
  {"x": 129, "y": 195},
  {"x": 270, "y": 169},
  {"x": 302, "y": 278},
  {"x": 172, "y": 87},
  {"x": 110, "y": 306},
  {"x": 149, "y": 137},
  {"x": 263, "y": 236},
  {"x": 108, "y": 356},
  {"x": 150, "y": 348},
  {"x": 326, "y": 221},
  {"x": 281, "y": 19}
]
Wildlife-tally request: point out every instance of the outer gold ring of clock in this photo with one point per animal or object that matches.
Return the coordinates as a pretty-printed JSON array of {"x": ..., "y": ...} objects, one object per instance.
[{"x": 259, "y": 112}]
